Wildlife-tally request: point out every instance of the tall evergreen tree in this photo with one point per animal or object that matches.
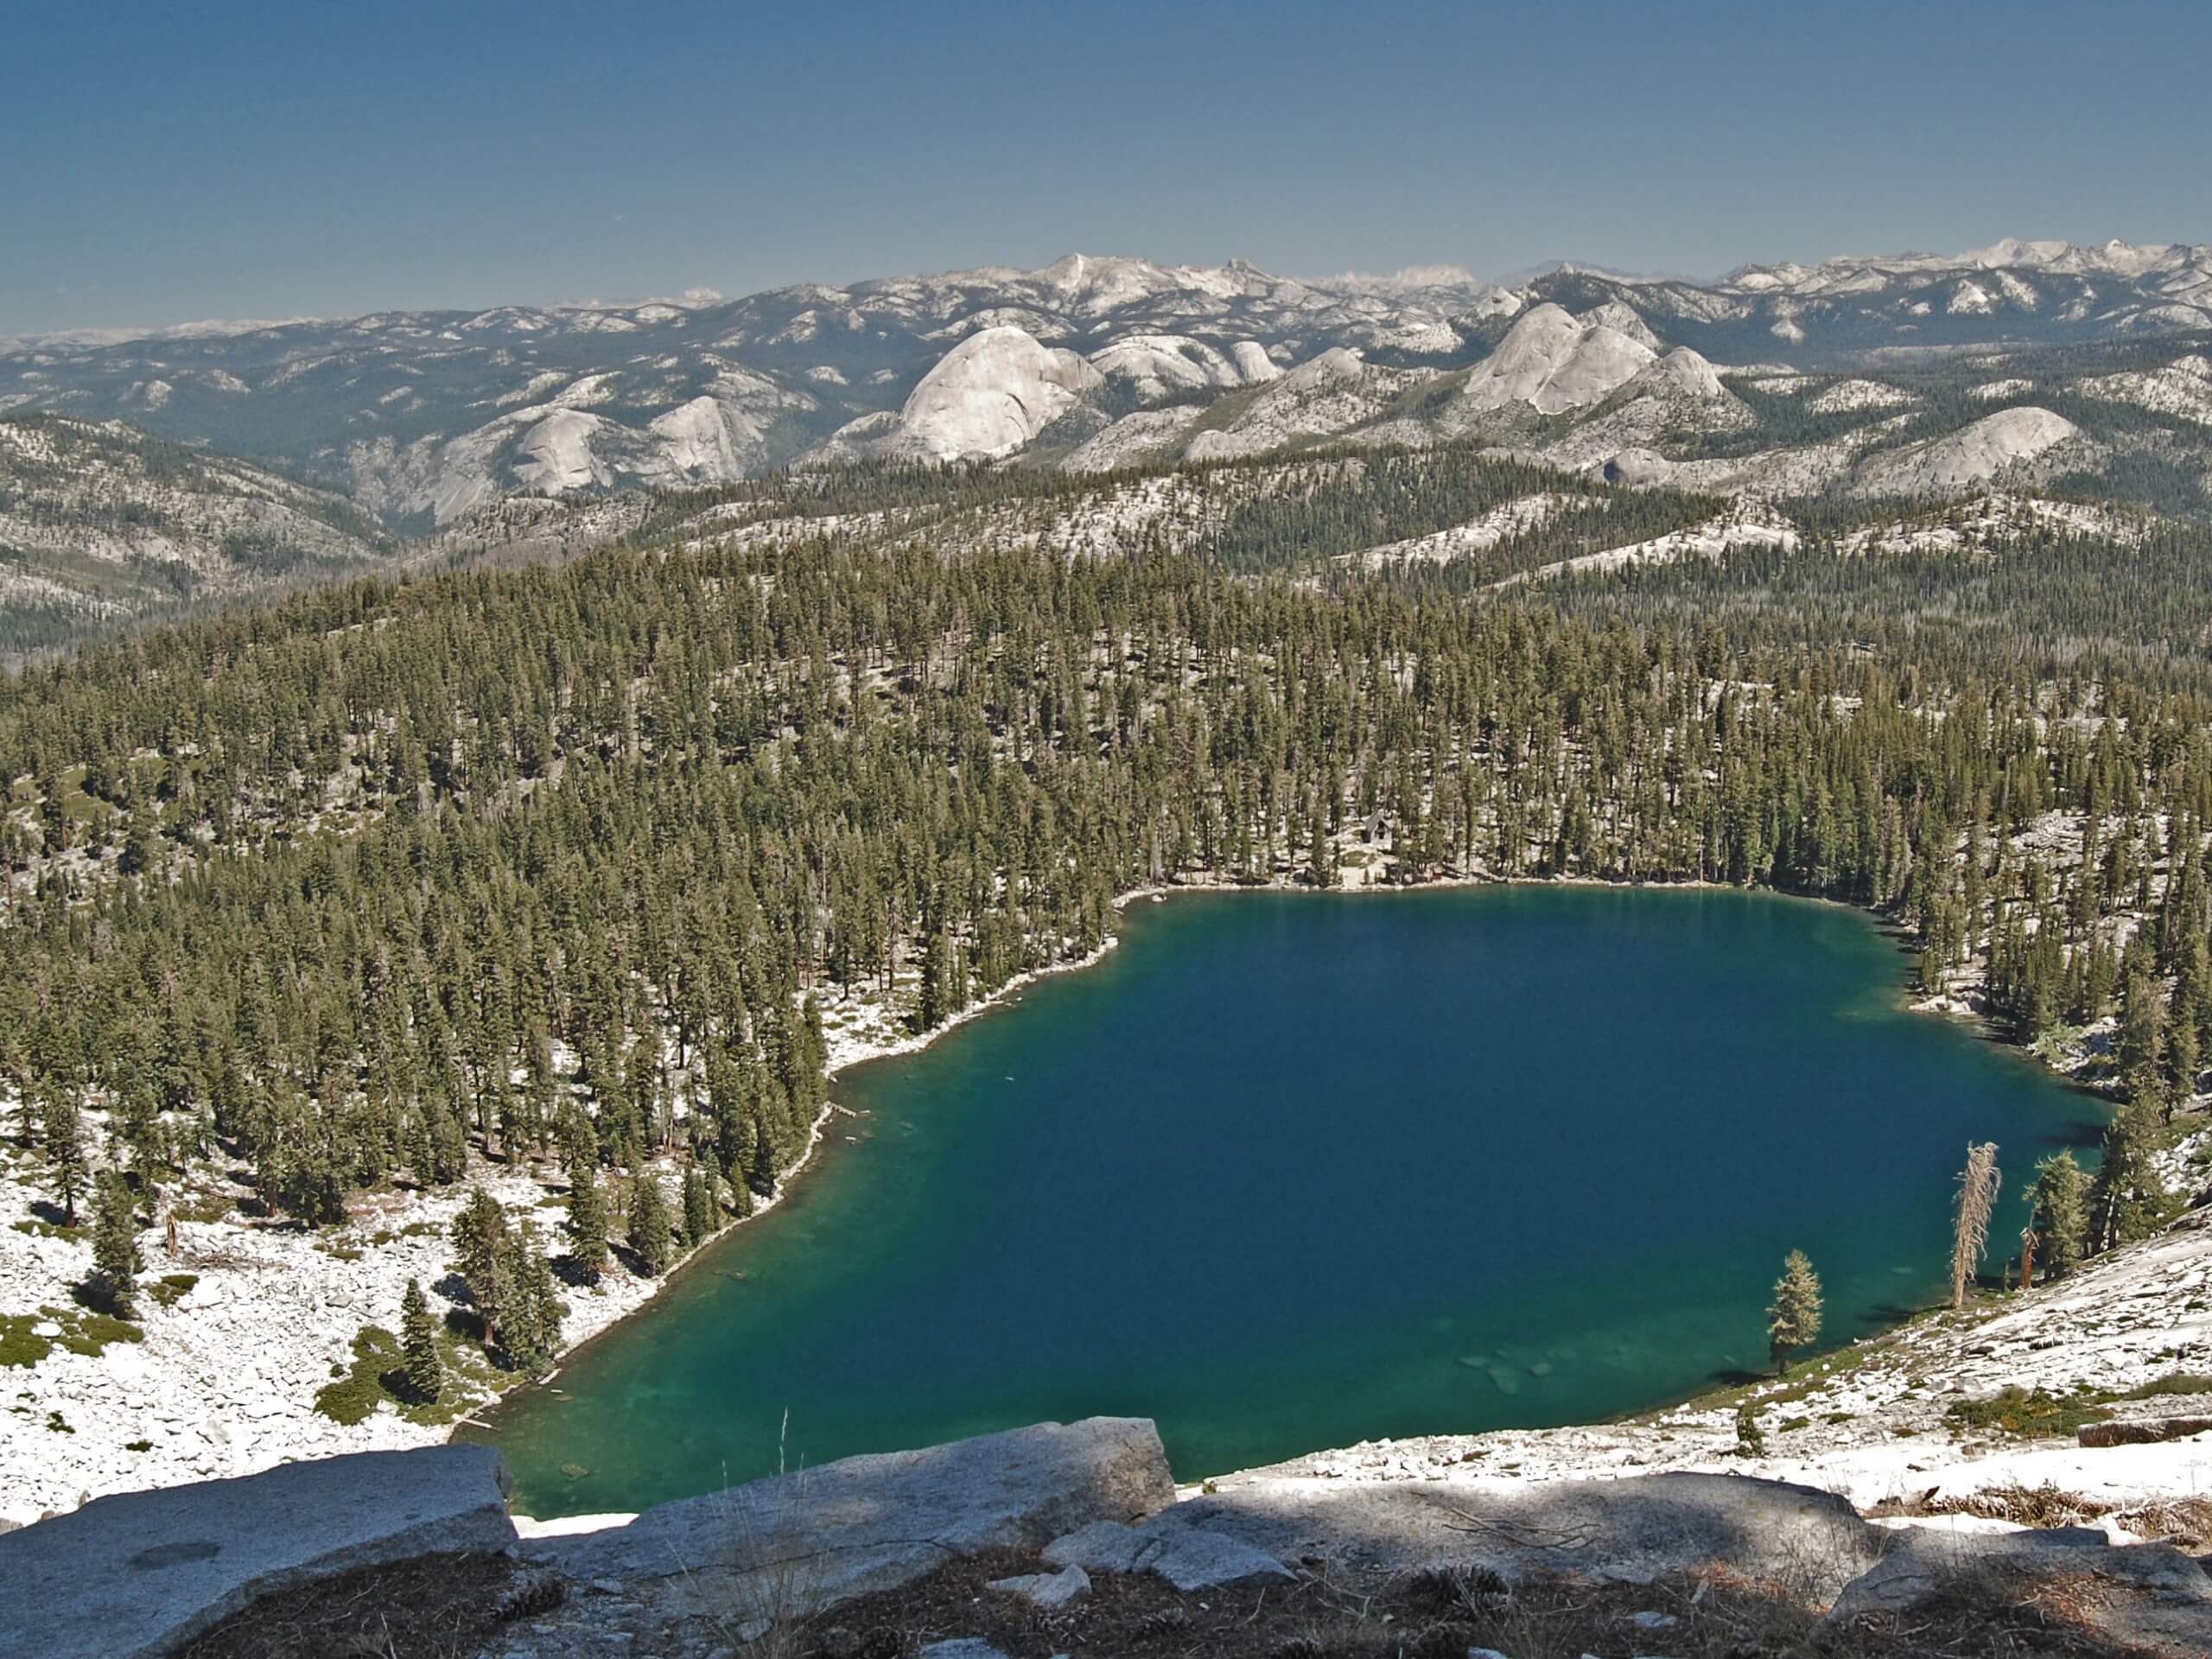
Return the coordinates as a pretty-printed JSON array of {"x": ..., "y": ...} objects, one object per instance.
[
  {"x": 115, "y": 1242},
  {"x": 483, "y": 1256},
  {"x": 68, "y": 1165},
  {"x": 2128, "y": 1196},
  {"x": 652, "y": 1236},
  {"x": 2059, "y": 1216},
  {"x": 2142, "y": 1046},
  {"x": 529, "y": 1331},
  {"x": 419, "y": 1343},
  {"x": 587, "y": 1223},
  {"x": 701, "y": 1214}
]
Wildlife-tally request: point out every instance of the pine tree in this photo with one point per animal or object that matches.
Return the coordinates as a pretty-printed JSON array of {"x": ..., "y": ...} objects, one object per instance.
[
  {"x": 1793, "y": 1320},
  {"x": 418, "y": 1342},
  {"x": 586, "y": 1224},
  {"x": 2142, "y": 1045},
  {"x": 63, "y": 1129},
  {"x": 930, "y": 1009},
  {"x": 482, "y": 1252},
  {"x": 529, "y": 1331},
  {"x": 700, "y": 1218},
  {"x": 712, "y": 1182},
  {"x": 651, "y": 1237},
  {"x": 115, "y": 1242},
  {"x": 2128, "y": 1195},
  {"x": 2059, "y": 1217},
  {"x": 2184, "y": 1061}
]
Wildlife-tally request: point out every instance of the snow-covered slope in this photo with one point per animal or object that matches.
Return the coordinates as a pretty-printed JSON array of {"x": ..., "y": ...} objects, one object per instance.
[
  {"x": 574, "y": 442},
  {"x": 1155, "y": 364},
  {"x": 2182, "y": 387},
  {"x": 1325, "y": 398},
  {"x": 99, "y": 522},
  {"x": 1844, "y": 308},
  {"x": 426, "y": 416}
]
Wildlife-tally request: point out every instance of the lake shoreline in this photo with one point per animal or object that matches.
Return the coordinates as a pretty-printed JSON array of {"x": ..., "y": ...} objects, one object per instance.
[
  {"x": 1884, "y": 977},
  {"x": 855, "y": 1053},
  {"x": 328, "y": 1285}
]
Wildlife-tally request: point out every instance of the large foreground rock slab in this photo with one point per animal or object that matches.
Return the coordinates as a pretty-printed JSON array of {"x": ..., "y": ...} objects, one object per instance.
[
  {"x": 799, "y": 1544},
  {"x": 1631, "y": 1530},
  {"x": 137, "y": 1574}
]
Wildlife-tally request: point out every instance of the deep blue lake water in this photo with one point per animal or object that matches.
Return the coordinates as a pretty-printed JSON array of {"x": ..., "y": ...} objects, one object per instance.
[{"x": 1287, "y": 1172}]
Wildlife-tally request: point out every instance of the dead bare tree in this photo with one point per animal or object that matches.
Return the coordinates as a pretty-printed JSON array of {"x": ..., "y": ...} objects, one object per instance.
[{"x": 1977, "y": 1204}]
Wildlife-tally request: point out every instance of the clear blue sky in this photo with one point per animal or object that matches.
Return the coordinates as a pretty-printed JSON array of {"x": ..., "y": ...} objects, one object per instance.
[{"x": 165, "y": 162}]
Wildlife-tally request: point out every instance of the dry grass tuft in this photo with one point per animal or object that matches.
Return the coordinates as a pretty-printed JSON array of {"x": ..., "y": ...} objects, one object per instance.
[
  {"x": 2046, "y": 1505},
  {"x": 432, "y": 1608},
  {"x": 2184, "y": 1523}
]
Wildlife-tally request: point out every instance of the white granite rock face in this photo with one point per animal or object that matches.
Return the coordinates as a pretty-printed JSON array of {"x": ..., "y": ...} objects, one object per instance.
[
  {"x": 1971, "y": 455},
  {"x": 1553, "y": 362},
  {"x": 988, "y": 396}
]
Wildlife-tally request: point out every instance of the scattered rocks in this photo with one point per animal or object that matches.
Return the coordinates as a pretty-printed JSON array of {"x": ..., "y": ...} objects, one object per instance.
[{"x": 1191, "y": 1555}]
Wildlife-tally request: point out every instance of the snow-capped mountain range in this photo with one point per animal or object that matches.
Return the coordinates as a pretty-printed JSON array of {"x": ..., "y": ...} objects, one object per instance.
[
  {"x": 425, "y": 417},
  {"x": 136, "y": 474}
]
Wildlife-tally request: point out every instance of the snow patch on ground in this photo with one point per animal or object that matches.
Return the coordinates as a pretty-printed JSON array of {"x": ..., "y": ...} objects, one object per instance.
[{"x": 1848, "y": 395}]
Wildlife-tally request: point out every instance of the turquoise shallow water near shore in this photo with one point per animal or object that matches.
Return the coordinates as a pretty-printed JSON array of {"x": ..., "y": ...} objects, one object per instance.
[{"x": 1286, "y": 1172}]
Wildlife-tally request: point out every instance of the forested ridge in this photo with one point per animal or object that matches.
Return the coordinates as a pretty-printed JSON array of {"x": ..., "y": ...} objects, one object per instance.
[{"x": 555, "y": 862}]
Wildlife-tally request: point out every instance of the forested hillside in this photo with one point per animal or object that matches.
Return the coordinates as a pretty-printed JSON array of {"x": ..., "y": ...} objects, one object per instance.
[
  {"x": 100, "y": 525},
  {"x": 555, "y": 860}
]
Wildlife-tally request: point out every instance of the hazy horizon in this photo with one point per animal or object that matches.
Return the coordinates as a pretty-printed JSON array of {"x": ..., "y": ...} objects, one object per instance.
[
  {"x": 251, "y": 161},
  {"x": 705, "y": 293}
]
